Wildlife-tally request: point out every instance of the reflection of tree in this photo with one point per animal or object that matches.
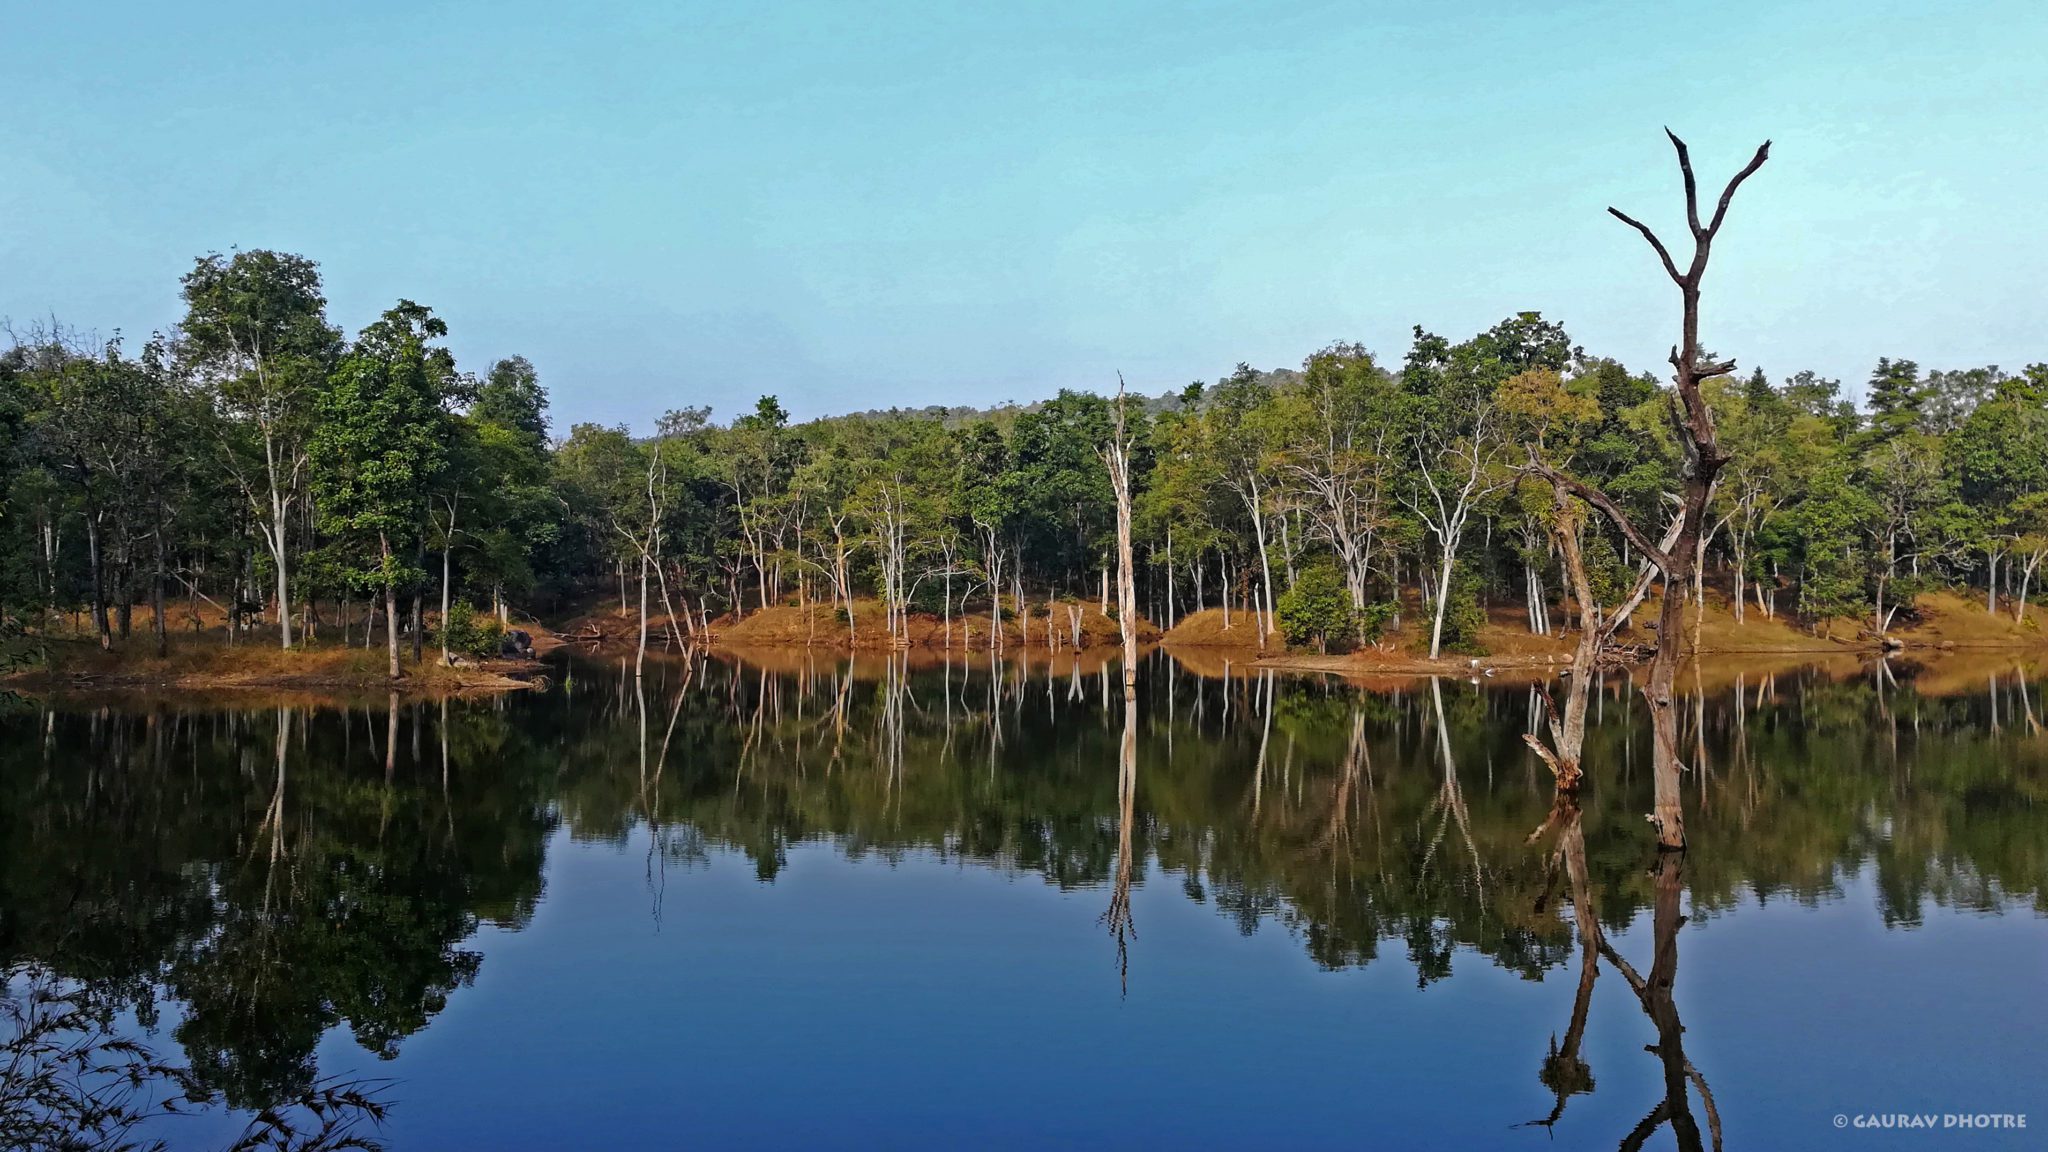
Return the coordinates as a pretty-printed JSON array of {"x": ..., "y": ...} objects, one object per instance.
[
  {"x": 1564, "y": 1072},
  {"x": 268, "y": 883},
  {"x": 1655, "y": 994},
  {"x": 1119, "y": 915},
  {"x": 71, "y": 1082},
  {"x": 264, "y": 869}
]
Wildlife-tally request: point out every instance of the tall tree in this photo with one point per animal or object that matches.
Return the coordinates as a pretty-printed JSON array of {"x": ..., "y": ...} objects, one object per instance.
[
  {"x": 256, "y": 336},
  {"x": 380, "y": 443}
]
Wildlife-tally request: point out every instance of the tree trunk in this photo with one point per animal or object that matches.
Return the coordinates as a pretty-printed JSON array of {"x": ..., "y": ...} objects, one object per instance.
[
  {"x": 1443, "y": 597},
  {"x": 390, "y": 605},
  {"x": 640, "y": 654},
  {"x": 1702, "y": 461},
  {"x": 1252, "y": 505},
  {"x": 277, "y": 550},
  {"x": 447, "y": 552},
  {"x": 1741, "y": 570},
  {"x": 1666, "y": 813},
  {"x": 156, "y": 601},
  {"x": 99, "y": 583}
]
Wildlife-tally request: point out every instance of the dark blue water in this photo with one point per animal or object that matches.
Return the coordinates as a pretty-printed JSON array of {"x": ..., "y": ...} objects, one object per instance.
[{"x": 875, "y": 910}]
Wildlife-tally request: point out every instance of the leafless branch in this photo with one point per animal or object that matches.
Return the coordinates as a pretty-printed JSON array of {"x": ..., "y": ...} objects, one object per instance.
[
  {"x": 1663, "y": 253},
  {"x": 1692, "y": 192},
  {"x": 1598, "y": 499},
  {"x": 1763, "y": 153}
]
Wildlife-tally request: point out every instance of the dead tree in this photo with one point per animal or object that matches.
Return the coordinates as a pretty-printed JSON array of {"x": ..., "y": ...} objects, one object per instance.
[
  {"x": 1597, "y": 626},
  {"x": 1117, "y": 455},
  {"x": 1703, "y": 459}
]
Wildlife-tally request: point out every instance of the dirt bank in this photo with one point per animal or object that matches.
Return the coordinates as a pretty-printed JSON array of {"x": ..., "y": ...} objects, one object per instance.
[
  {"x": 1942, "y": 623},
  {"x": 204, "y": 663},
  {"x": 824, "y": 627}
]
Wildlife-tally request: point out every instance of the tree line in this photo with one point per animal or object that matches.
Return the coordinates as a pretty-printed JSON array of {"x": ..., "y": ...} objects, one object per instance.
[{"x": 254, "y": 464}]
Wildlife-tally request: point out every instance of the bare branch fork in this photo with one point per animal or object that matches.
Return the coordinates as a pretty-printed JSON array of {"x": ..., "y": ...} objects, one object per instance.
[{"x": 1692, "y": 367}]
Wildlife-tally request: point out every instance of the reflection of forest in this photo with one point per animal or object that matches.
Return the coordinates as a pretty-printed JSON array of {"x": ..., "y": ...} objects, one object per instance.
[{"x": 281, "y": 873}]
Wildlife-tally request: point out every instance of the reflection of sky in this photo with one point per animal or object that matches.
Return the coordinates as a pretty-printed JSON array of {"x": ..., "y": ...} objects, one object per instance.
[{"x": 928, "y": 1004}]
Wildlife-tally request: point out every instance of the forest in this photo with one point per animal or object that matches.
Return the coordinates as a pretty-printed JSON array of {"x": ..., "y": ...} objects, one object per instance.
[{"x": 257, "y": 467}]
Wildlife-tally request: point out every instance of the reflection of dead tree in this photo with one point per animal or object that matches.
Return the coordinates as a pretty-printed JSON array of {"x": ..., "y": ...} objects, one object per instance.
[
  {"x": 650, "y": 789},
  {"x": 1564, "y": 1072},
  {"x": 1655, "y": 995},
  {"x": 1265, "y": 739},
  {"x": 996, "y": 673},
  {"x": 273, "y": 815},
  {"x": 1119, "y": 915}
]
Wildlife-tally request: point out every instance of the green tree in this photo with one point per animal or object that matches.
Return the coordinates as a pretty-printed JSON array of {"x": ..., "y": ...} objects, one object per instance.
[
  {"x": 380, "y": 444},
  {"x": 256, "y": 336}
]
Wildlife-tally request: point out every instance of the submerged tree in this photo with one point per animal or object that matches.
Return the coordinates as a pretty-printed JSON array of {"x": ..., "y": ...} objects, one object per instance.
[{"x": 1703, "y": 458}]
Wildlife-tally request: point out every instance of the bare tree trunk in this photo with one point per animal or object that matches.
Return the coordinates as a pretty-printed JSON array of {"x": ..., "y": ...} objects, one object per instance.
[
  {"x": 1443, "y": 596},
  {"x": 1253, "y": 503},
  {"x": 1118, "y": 457},
  {"x": 447, "y": 552},
  {"x": 390, "y": 604},
  {"x": 1741, "y": 572},
  {"x": 277, "y": 551},
  {"x": 640, "y": 654}
]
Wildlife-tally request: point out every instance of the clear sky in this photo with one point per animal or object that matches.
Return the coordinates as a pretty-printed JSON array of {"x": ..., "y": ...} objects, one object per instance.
[{"x": 855, "y": 205}]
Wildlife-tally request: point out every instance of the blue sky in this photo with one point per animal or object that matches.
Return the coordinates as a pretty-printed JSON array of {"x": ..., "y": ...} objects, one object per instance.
[{"x": 859, "y": 205}]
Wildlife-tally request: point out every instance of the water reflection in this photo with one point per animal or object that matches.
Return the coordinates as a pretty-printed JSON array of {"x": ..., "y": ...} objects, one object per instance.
[{"x": 259, "y": 878}]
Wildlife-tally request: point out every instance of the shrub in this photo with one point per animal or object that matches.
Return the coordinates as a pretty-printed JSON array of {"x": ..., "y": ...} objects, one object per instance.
[
  {"x": 1463, "y": 617},
  {"x": 470, "y": 633},
  {"x": 1317, "y": 610},
  {"x": 1372, "y": 623}
]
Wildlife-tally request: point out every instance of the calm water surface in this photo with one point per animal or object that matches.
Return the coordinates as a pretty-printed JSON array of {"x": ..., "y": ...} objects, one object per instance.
[{"x": 887, "y": 907}]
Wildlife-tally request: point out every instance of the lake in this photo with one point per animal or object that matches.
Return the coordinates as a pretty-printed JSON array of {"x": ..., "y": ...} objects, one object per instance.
[{"x": 790, "y": 901}]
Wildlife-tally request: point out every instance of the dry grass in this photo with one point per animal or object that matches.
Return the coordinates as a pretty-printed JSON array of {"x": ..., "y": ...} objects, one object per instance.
[
  {"x": 1948, "y": 618},
  {"x": 820, "y": 626},
  {"x": 1205, "y": 629}
]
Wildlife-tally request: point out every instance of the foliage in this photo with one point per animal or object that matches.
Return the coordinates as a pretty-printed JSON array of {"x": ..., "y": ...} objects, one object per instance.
[
  {"x": 70, "y": 1079},
  {"x": 1318, "y": 611},
  {"x": 469, "y": 633},
  {"x": 1463, "y": 618}
]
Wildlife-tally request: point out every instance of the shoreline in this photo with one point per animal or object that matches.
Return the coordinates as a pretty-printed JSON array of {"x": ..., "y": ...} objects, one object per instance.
[
  {"x": 1947, "y": 632},
  {"x": 240, "y": 670}
]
